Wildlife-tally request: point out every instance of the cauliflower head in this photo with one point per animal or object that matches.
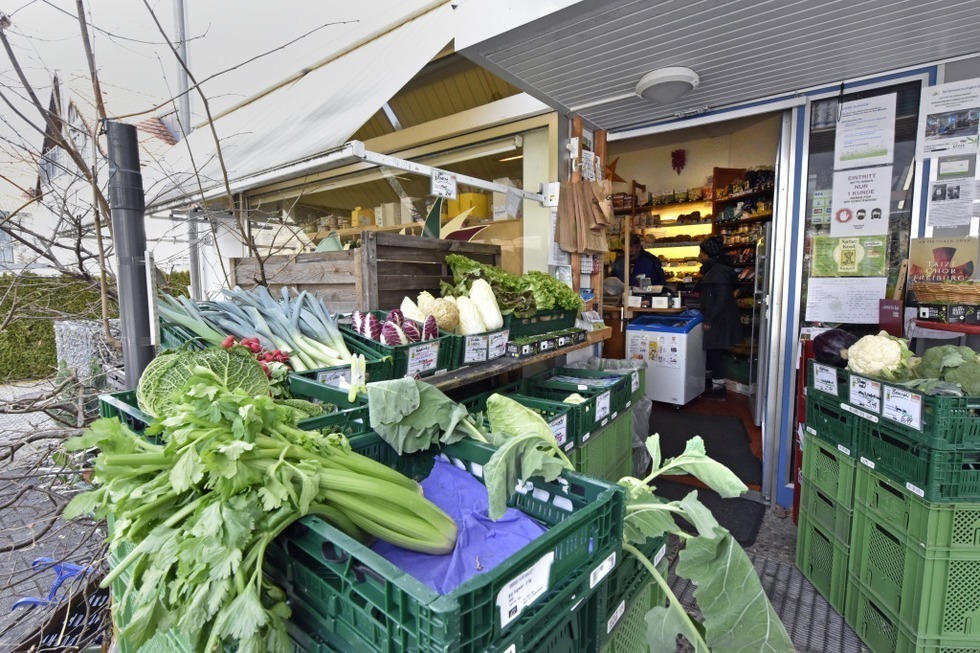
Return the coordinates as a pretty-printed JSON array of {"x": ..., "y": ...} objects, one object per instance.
[{"x": 883, "y": 356}]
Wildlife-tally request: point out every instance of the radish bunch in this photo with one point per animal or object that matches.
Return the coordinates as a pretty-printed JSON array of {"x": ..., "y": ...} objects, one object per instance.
[{"x": 270, "y": 360}]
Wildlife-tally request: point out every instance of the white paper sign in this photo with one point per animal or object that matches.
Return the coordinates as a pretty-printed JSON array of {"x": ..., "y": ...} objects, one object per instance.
[
  {"x": 902, "y": 406},
  {"x": 860, "y": 202},
  {"x": 845, "y": 299},
  {"x": 634, "y": 381},
  {"x": 335, "y": 378},
  {"x": 422, "y": 358},
  {"x": 443, "y": 184},
  {"x": 602, "y": 570},
  {"x": 602, "y": 406},
  {"x": 524, "y": 589},
  {"x": 615, "y": 616},
  {"x": 825, "y": 378},
  {"x": 559, "y": 426},
  {"x": 951, "y": 201},
  {"x": 497, "y": 345},
  {"x": 475, "y": 350},
  {"x": 865, "y": 134},
  {"x": 866, "y": 393},
  {"x": 948, "y": 119}
]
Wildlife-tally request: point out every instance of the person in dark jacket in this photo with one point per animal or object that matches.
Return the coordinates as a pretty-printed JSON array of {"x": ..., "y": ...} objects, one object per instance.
[
  {"x": 722, "y": 329},
  {"x": 641, "y": 262}
]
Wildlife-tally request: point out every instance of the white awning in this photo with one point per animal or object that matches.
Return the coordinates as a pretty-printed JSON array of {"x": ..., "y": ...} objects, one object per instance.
[{"x": 307, "y": 117}]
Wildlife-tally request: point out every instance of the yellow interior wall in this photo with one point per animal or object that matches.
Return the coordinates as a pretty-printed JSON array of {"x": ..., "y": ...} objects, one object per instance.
[{"x": 742, "y": 143}]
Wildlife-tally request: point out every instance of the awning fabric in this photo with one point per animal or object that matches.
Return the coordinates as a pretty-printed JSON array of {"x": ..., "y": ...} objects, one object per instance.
[{"x": 317, "y": 112}]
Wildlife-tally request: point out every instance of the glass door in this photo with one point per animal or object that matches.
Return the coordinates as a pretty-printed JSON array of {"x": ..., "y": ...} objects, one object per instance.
[{"x": 759, "y": 340}]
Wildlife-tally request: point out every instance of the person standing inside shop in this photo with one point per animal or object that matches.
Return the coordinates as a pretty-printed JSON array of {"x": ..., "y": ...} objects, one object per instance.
[
  {"x": 721, "y": 323},
  {"x": 642, "y": 262}
]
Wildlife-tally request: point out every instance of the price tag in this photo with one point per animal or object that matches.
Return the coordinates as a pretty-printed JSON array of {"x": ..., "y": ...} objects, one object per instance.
[
  {"x": 335, "y": 378},
  {"x": 844, "y": 450},
  {"x": 867, "y": 463},
  {"x": 602, "y": 570},
  {"x": 524, "y": 589},
  {"x": 422, "y": 358},
  {"x": 559, "y": 426},
  {"x": 475, "y": 349},
  {"x": 497, "y": 345},
  {"x": 615, "y": 617},
  {"x": 825, "y": 378},
  {"x": 902, "y": 406},
  {"x": 602, "y": 406},
  {"x": 443, "y": 184},
  {"x": 866, "y": 394},
  {"x": 916, "y": 490},
  {"x": 634, "y": 381}
]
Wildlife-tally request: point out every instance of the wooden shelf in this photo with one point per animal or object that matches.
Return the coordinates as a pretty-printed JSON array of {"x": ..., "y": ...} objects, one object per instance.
[
  {"x": 473, "y": 373},
  {"x": 667, "y": 245},
  {"x": 673, "y": 225},
  {"x": 665, "y": 208},
  {"x": 411, "y": 227},
  {"x": 741, "y": 196},
  {"x": 765, "y": 217}
]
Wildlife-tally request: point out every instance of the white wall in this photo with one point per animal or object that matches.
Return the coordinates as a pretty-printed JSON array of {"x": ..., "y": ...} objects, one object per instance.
[{"x": 741, "y": 143}]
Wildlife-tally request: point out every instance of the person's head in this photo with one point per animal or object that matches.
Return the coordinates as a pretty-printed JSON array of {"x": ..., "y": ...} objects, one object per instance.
[
  {"x": 635, "y": 248},
  {"x": 711, "y": 248}
]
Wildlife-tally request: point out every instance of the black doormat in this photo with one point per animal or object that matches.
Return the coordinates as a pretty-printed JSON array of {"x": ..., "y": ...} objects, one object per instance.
[
  {"x": 725, "y": 440},
  {"x": 742, "y": 517}
]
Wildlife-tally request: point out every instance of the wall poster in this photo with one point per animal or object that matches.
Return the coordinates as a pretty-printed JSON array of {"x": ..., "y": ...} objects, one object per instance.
[
  {"x": 865, "y": 133},
  {"x": 860, "y": 202}
]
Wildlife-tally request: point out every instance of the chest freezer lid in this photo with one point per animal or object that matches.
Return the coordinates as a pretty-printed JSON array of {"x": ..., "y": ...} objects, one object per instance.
[{"x": 680, "y": 323}]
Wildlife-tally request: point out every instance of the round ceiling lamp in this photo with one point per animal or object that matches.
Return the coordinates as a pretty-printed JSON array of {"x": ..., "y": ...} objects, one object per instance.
[{"x": 666, "y": 85}]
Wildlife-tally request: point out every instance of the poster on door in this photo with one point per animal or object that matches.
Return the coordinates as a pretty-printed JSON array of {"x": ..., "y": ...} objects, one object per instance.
[
  {"x": 851, "y": 256},
  {"x": 865, "y": 134},
  {"x": 860, "y": 202},
  {"x": 949, "y": 119}
]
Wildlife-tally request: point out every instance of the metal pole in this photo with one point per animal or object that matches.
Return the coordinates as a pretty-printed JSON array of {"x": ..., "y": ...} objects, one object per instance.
[
  {"x": 184, "y": 119},
  {"x": 129, "y": 238}
]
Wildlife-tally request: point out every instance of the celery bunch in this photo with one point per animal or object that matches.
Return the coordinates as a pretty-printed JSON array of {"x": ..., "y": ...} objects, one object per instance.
[{"x": 232, "y": 474}]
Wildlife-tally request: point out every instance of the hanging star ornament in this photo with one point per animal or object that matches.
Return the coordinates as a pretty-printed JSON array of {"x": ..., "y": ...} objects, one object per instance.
[{"x": 610, "y": 172}]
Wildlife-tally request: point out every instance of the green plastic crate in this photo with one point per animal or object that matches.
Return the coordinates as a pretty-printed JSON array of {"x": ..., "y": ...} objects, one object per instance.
[
  {"x": 417, "y": 359},
  {"x": 608, "y": 454},
  {"x": 823, "y": 561},
  {"x": 933, "y": 591},
  {"x": 627, "y": 591},
  {"x": 827, "y": 420},
  {"x": 829, "y": 470},
  {"x": 364, "y": 595},
  {"x": 541, "y": 322},
  {"x": 954, "y": 526},
  {"x": 936, "y": 475},
  {"x": 479, "y": 348},
  {"x": 619, "y": 385},
  {"x": 351, "y": 417},
  {"x": 839, "y": 385},
  {"x": 943, "y": 422},
  {"x": 882, "y": 632},
  {"x": 175, "y": 336},
  {"x": 377, "y": 367},
  {"x": 823, "y": 509},
  {"x": 588, "y": 417},
  {"x": 557, "y": 415}
]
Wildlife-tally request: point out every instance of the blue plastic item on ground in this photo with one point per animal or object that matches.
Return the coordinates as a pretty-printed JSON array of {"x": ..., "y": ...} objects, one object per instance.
[{"x": 482, "y": 544}]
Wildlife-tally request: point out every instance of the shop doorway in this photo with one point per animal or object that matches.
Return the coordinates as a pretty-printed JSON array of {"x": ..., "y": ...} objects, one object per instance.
[{"x": 723, "y": 179}]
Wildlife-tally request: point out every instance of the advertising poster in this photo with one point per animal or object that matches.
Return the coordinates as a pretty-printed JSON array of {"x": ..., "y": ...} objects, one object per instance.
[
  {"x": 944, "y": 259},
  {"x": 821, "y": 208},
  {"x": 860, "y": 202},
  {"x": 949, "y": 119},
  {"x": 865, "y": 133},
  {"x": 847, "y": 299},
  {"x": 951, "y": 195},
  {"x": 851, "y": 256}
]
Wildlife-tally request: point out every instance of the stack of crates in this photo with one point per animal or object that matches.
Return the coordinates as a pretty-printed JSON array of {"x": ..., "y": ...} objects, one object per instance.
[{"x": 913, "y": 574}]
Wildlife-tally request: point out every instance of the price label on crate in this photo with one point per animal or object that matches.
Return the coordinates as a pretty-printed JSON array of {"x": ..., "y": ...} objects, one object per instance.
[
  {"x": 615, "y": 617},
  {"x": 422, "y": 358},
  {"x": 475, "y": 349},
  {"x": 866, "y": 394},
  {"x": 497, "y": 345},
  {"x": 602, "y": 406},
  {"x": 902, "y": 406},
  {"x": 634, "y": 381},
  {"x": 825, "y": 378},
  {"x": 559, "y": 426},
  {"x": 524, "y": 589},
  {"x": 335, "y": 378}
]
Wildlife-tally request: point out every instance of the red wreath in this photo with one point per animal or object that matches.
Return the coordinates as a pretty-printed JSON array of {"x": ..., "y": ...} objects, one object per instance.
[{"x": 677, "y": 160}]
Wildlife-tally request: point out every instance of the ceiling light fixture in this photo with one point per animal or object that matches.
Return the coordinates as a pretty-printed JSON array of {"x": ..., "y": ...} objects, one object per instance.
[{"x": 666, "y": 85}]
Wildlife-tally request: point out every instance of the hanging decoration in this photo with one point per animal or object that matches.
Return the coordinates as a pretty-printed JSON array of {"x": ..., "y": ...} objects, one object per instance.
[{"x": 678, "y": 158}]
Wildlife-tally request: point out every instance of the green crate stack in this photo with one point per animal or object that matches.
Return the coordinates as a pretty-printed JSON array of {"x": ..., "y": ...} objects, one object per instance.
[
  {"x": 917, "y": 562},
  {"x": 541, "y": 322},
  {"x": 364, "y": 603},
  {"x": 823, "y": 560},
  {"x": 619, "y": 385},
  {"x": 558, "y": 415},
  {"x": 608, "y": 454},
  {"x": 419, "y": 358},
  {"x": 829, "y": 470},
  {"x": 828, "y": 513},
  {"x": 826, "y": 419},
  {"x": 587, "y": 417}
]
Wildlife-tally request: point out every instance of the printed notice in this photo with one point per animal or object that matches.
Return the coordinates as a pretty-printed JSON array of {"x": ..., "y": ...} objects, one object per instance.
[
  {"x": 524, "y": 589},
  {"x": 422, "y": 358},
  {"x": 559, "y": 426},
  {"x": 846, "y": 299},
  {"x": 865, "y": 134},
  {"x": 861, "y": 200},
  {"x": 866, "y": 393},
  {"x": 949, "y": 119},
  {"x": 335, "y": 378},
  {"x": 951, "y": 196},
  {"x": 851, "y": 256},
  {"x": 825, "y": 378},
  {"x": 475, "y": 350},
  {"x": 443, "y": 184},
  {"x": 902, "y": 406}
]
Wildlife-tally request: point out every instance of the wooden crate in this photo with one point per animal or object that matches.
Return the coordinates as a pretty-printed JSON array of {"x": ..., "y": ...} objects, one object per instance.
[{"x": 386, "y": 268}]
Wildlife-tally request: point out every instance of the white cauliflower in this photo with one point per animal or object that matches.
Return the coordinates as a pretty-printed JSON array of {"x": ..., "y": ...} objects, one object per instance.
[{"x": 882, "y": 356}]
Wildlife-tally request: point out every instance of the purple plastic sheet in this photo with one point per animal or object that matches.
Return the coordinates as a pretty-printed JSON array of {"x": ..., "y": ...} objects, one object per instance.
[{"x": 482, "y": 544}]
